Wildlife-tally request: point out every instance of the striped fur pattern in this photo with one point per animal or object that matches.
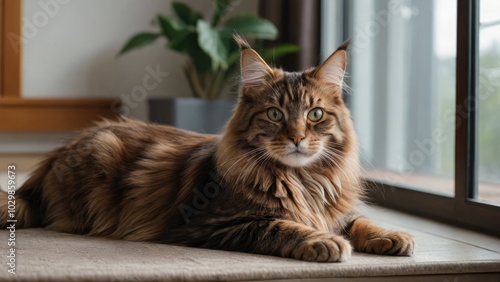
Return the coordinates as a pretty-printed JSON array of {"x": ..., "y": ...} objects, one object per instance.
[{"x": 282, "y": 179}]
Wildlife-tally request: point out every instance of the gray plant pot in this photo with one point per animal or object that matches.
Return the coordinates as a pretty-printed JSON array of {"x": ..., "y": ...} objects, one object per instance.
[{"x": 198, "y": 115}]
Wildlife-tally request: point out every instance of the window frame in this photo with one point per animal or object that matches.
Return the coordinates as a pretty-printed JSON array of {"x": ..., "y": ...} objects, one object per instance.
[{"x": 462, "y": 209}]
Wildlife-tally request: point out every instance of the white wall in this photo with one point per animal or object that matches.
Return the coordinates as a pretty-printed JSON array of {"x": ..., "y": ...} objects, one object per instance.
[
  {"x": 70, "y": 50},
  {"x": 73, "y": 52}
]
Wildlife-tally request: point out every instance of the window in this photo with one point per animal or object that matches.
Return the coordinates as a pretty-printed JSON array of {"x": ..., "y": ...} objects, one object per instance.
[
  {"x": 425, "y": 94},
  {"x": 405, "y": 129},
  {"x": 489, "y": 102}
]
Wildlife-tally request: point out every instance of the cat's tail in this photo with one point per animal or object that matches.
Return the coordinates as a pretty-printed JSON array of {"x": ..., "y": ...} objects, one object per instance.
[{"x": 21, "y": 208}]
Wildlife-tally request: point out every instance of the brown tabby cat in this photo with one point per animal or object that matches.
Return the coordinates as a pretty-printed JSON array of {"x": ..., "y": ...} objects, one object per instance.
[{"x": 282, "y": 180}]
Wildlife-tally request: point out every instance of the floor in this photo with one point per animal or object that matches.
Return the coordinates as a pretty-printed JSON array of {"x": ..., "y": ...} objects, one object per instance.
[{"x": 444, "y": 253}]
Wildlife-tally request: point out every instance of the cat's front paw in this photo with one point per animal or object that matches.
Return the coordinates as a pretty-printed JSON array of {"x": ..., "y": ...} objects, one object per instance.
[
  {"x": 330, "y": 249},
  {"x": 391, "y": 243}
]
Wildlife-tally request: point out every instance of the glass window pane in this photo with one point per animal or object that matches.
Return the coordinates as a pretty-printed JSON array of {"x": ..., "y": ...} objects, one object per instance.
[
  {"x": 403, "y": 90},
  {"x": 489, "y": 102}
]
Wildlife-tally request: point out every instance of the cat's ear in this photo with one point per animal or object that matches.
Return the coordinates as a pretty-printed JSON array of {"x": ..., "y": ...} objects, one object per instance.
[
  {"x": 254, "y": 70},
  {"x": 332, "y": 71}
]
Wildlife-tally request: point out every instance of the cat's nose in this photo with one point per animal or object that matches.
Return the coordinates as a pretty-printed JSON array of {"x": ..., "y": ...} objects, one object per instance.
[{"x": 296, "y": 139}]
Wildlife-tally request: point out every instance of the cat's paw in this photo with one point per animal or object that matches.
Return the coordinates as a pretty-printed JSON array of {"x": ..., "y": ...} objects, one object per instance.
[
  {"x": 330, "y": 249},
  {"x": 391, "y": 243}
]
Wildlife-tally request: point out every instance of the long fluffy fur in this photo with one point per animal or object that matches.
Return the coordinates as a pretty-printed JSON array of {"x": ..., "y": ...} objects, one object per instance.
[{"x": 136, "y": 181}]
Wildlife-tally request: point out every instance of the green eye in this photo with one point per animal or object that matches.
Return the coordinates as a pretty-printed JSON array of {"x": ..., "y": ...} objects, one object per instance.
[
  {"x": 274, "y": 114},
  {"x": 315, "y": 114}
]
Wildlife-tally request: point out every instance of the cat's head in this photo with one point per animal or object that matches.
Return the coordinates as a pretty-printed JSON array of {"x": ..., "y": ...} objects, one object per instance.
[{"x": 293, "y": 118}]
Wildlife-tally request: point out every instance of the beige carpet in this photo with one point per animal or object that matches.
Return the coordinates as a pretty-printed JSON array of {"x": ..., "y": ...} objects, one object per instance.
[{"x": 48, "y": 256}]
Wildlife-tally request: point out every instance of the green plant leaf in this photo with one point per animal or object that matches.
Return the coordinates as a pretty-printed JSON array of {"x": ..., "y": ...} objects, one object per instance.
[
  {"x": 210, "y": 42},
  {"x": 181, "y": 42},
  {"x": 186, "y": 14},
  {"x": 169, "y": 26},
  {"x": 189, "y": 45},
  {"x": 139, "y": 40},
  {"x": 251, "y": 26},
  {"x": 202, "y": 61},
  {"x": 272, "y": 53},
  {"x": 220, "y": 9}
]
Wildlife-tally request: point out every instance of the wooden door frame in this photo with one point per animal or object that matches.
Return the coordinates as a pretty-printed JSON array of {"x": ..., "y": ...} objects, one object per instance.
[{"x": 18, "y": 114}]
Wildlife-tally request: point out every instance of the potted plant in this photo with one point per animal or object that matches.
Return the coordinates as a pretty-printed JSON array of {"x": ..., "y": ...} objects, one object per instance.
[{"x": 212, "y": 59}]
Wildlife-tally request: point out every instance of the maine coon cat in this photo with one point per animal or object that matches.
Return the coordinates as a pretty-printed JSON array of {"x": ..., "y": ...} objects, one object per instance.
[{"x": 282, "y": 179}]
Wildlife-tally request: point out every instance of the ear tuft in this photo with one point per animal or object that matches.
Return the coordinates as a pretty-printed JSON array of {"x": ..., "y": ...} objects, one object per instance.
[
  {"x": 332, "y": 71},
  {"x": 346, "y": 44},
  {"x": 242, "y": 42},
  {"x": 254, "y": 70}
]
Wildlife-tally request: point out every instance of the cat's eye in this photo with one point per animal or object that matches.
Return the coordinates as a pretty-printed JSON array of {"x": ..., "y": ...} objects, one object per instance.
[
  {"x": 315, "y": 114},
  {"x": 274, "y": 114}
]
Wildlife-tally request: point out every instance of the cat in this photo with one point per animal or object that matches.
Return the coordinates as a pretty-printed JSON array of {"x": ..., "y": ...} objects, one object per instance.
[{"x": 283, "y": 178}]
